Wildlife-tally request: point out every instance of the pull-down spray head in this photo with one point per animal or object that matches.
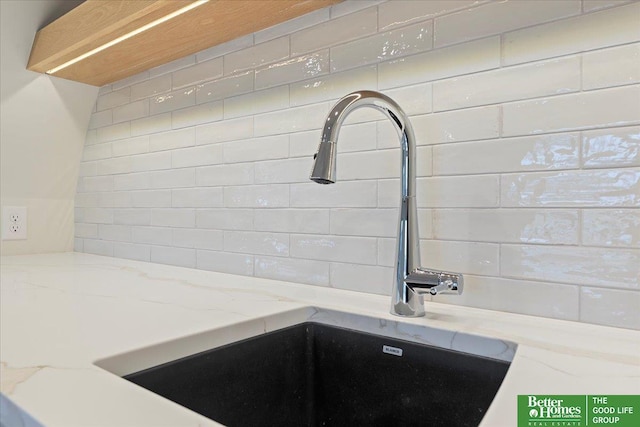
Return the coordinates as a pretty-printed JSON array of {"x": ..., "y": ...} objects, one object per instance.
[{"x": 324, "y": 163}]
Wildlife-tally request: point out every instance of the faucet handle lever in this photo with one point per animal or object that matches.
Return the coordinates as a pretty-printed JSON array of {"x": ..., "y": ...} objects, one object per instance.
[{"x": 435, "y": 282}]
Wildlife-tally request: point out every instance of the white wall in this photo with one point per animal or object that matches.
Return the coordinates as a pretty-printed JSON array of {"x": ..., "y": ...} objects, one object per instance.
[
  {"x": 43, "y": 126},
  {"x": 526, "y": 115}
]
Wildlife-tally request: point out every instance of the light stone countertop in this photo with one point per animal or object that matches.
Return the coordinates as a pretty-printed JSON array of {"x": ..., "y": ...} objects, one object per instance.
[{"x": 62, "y": 313}]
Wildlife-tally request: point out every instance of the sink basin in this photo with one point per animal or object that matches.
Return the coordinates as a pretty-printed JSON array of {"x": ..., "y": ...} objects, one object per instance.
[{"x": 316, "y": 374}]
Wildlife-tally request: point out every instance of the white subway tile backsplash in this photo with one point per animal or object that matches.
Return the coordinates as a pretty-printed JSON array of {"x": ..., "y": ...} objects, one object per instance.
[
  {"x": 150, "y": 161},
  {"x": 353, "y": 137},
  {"x": 464, "y": 257},
  {"x": 225, "y": 219},
  {"x": 601, "y": 108},
  {"x": 414, "y": 99},
  {"x": 152, "y": 235},
  {"x": 441, "y": 63},
  {"x": 201, "y": 72},
  {"x": 293, "y": 221},
  {"x": 184, "y": 218},
  {"x": 271, "y": 147},
  {"x": 236, "y": 174},
  {"x": 499, "y": 17},
  {"x": 86, "y": 230},
  {"x": 369, "y": 165},
  {"x": 582, "y": 33},
  {"x": 98, "y": 216},
  {"x": 132, "y": 216},
  {"x": 149, "y": 125},
  {"x": 197, "y": 115},
  {"x": 538, "y": 226},
  {"x": 611, "y": 67},
  {"x": 481, "y": 191},
  {"x": 544, "y": 152},
  {"x": 124, "y": 83},
  {"x": 97, "y": 183},
  {"x": 98, "y": 120},
  {"x": 228, "y": 130},
  {"x": 283, "y": 171},
  {"x": 172, "y": 66},
  {"x": 225, "y": 262},
  {"x": 507, "y": 84},
  {"x": 305, "y": 21},
  {"x": 604, "y": 267},
  {"x": 303, "y": 67},
  {"x": 151, "y": 87},
  {"x": 591, "y": 5},
  {"x": 224, "y": 87},
  {"x": 589, "y": 188},
  {"x": 173, "y": 100},
  {"x": 372, "y": 279},
  {"x": 526, "y": 118},
  {"x": 255, "y": 56},
  {"x": 224, "y": 48},
  {"x": 133, "y": 181},
  {"x": 114, "y": 166},
  {"x": 173, "y": 139},
  {"x": 479, "y": 123},
  {"x": 291, "y": 120},
  {"x": 339, "y": 30},
  {"x": 364, "y": 222},
  {"x": 119, "y": 233},
  {"x": 611, "y": 227},
  {"x": 113, "y": 99},
  {"x": 257, "y": 196},
  {"x": 197, "y": 156},
  {"x": 98, "y": 247},
  {"x": 135, "y": 110},
  {"x": 383, "y": 47},
  {"x": 150, "y": 198},
  {"x": 174, "y": 178},
  {"x": 88, "y": 200},
  {"x": 173, "y": 256},
  {"x": 116, "y": 199},
  {"x": 610, "y": 307},
  {"x": 399, "y": 13},
  {"x": 350, "y": 6},
  {"x": 197, "y": 197},
  {"x": 353, "y": 194},
  {"x": 198, "y": 238},
  {"x": 256, "y": 102},
  {"x": 132, "y": 251},
  {"x": 96, "y": 152},
  {"x": 293, "y": 270},
  {"x": 113, "y": 132},
  {"x": 259, "y": 243},
  {"x": 557, "y": 301},
  {"x": 127, "y": 147},
  {"x": 358, "y": 250},
  {"x": 617, "y": 147}
]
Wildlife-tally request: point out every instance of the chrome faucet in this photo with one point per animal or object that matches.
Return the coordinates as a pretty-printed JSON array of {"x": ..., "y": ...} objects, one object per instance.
[{"x": 411, "y": 281}]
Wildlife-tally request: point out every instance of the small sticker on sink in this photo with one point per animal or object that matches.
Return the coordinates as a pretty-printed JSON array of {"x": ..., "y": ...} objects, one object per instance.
[{"x": 392, "y": 350}]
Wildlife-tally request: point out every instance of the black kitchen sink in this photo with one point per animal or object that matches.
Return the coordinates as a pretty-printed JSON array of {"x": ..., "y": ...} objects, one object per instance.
[{"x": 317, "y": 375}]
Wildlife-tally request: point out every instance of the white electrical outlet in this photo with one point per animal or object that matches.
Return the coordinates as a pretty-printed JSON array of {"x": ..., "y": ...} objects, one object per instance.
[{"x": 14, "y": 222}]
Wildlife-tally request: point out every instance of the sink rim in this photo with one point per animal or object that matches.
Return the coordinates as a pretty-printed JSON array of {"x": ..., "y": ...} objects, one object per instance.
[{"x": 138, "y": 359}]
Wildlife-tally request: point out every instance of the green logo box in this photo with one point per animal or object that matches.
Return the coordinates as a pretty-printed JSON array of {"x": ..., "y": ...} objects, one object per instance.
[{"x": 578, "y": 410}]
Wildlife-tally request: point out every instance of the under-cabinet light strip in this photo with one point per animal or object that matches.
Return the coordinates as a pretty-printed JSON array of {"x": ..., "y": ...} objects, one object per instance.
[{"x": 129, "y": 35}]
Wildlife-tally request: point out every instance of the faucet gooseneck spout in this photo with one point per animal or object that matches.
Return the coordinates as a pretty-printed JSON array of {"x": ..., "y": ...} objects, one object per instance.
[{"x": 411, "y": 281}]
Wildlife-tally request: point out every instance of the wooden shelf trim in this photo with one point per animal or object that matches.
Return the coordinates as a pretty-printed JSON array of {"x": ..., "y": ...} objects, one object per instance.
[{"x": 96, "y": 22}]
